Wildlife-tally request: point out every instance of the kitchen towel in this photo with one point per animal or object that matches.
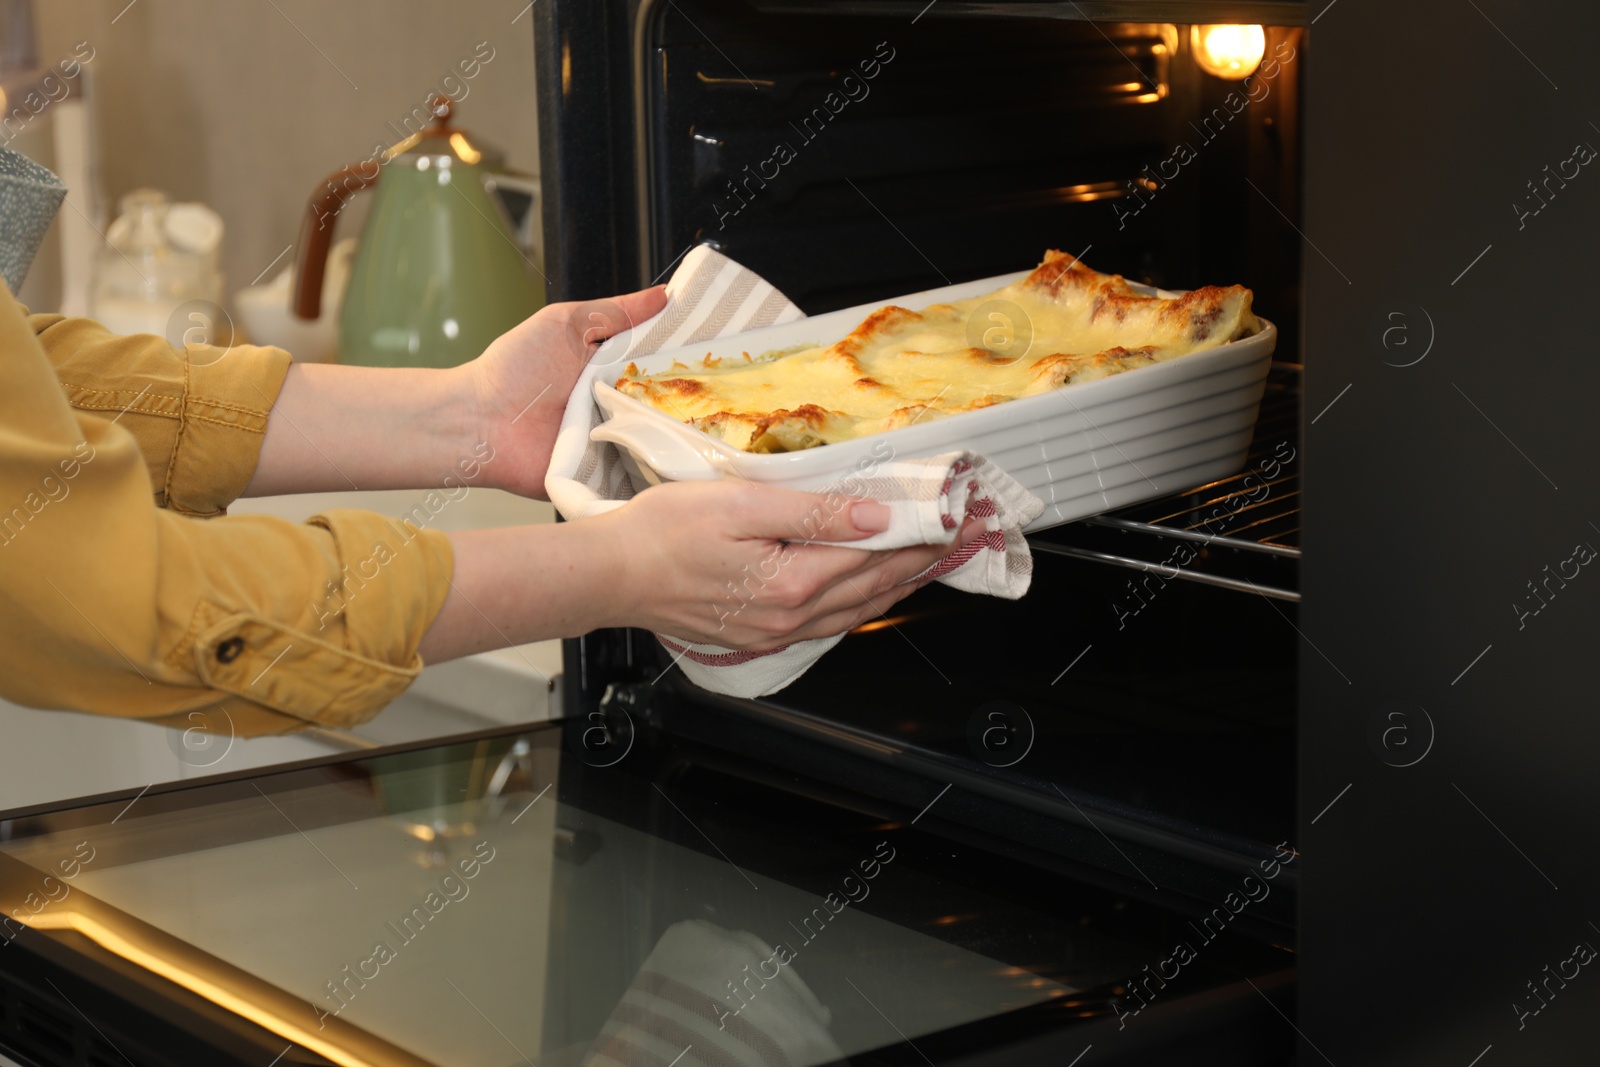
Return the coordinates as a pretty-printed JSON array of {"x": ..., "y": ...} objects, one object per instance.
[
  {"x": 715, "y": 998},
  {"x": 710, "y": 296}
]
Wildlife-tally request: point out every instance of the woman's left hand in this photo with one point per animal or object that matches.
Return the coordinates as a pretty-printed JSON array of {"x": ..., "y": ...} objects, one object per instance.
[
  {"x": 523, "y": 380},
  {"x": 336, "y": 428}
]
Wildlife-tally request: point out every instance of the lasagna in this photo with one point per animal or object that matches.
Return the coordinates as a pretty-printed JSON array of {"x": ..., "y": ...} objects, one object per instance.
[{"x": 1061, "y": 325}]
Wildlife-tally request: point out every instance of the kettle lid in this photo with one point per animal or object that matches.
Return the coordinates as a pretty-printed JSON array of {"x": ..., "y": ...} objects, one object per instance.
[{"x": 440, "y": 138}]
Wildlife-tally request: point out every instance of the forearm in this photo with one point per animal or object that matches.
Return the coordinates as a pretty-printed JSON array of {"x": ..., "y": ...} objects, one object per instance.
[
  {"x": 340, "y": 428},
  {"x": 528, "y": 583}
]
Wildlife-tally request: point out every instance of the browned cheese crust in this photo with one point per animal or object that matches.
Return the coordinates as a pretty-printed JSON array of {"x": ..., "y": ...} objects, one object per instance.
[{"x": 1062, "y": 324}]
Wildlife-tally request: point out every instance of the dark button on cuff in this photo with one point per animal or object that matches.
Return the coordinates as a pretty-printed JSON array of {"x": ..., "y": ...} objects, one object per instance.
[{"x": 228, "y": 651}]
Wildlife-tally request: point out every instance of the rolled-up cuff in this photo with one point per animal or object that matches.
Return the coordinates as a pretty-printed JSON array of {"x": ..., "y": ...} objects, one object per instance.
[
  {"x": 228, "y": 397},
  {"x": 394, "y": 579}
]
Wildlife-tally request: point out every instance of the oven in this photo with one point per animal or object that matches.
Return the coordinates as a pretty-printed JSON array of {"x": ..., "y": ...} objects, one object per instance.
[
  {"x": 1398, "y": 189},
  {"x": 1131, "y": 722}
]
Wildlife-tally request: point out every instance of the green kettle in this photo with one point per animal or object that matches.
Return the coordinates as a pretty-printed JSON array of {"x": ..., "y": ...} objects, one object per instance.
[{"x": 437, "y": 274}]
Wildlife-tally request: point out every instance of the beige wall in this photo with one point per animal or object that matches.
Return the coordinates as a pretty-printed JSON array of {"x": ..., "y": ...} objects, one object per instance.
[{"x": 227, "y": 102}]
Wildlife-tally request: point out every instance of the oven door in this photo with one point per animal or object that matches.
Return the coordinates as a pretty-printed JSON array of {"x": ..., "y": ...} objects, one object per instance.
[{"x": 577, "y": 894}]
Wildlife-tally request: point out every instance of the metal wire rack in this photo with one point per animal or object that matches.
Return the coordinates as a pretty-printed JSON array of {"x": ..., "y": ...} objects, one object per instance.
[{"x": 1240, "y": 532}]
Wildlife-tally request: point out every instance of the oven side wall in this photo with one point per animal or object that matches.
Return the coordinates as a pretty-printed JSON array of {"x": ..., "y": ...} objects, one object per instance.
[{"x": 1448, "y": 732}]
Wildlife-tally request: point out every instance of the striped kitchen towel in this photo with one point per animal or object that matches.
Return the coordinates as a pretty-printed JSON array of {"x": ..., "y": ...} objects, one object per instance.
[
  {"x": 710, "y": 296},
  {"x": 712, "y": 997}
]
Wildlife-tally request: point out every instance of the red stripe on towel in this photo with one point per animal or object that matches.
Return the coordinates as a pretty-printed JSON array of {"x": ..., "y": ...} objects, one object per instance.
[
  {"x": 995, "y": 539},
  {"x": 954, "y": 561},
  {"x": 722, "y": 659}
]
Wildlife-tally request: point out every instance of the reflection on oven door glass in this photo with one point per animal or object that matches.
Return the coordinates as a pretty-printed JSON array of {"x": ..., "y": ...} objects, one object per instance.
[{"x": 448, "y": 908}]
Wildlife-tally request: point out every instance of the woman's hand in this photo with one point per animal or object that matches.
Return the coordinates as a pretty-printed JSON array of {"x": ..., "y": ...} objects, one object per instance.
[
  {"x": 523, "y": 379},
  {"x": 715, "y": 562},
  {"x": 701, "y": 561},
  {"x": 489, "y": 422}
]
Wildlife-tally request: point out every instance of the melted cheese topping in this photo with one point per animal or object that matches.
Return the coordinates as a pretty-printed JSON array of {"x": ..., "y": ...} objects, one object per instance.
[{"x": 1063, "y": 324}]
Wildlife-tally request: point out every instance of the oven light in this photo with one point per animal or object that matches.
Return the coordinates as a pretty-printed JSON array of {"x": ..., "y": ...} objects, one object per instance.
[{"x": 1230, "y": 52}]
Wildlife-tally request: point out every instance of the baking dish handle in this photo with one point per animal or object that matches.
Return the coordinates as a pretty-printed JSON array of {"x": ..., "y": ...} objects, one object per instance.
[{"x": 669, "y": 455}]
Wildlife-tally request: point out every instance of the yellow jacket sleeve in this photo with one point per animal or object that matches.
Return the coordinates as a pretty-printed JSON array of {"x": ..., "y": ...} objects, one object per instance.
[
  {"x": 198, "y": 417},
  {"x": 113, "y": 605}
]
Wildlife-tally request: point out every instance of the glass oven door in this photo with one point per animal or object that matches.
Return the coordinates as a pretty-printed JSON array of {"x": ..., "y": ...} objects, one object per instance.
[{"x": 566, "y": 896}]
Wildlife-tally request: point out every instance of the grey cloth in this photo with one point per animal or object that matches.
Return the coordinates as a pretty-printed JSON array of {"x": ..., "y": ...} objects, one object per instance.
[{"x": 30, "y": 196}]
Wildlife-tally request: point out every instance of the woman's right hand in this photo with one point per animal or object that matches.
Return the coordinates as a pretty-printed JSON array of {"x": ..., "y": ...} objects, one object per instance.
[{"x": 715, "y": 563}]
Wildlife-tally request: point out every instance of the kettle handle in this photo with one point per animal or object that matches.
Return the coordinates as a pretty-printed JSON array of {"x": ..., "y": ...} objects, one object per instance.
[{"x": 316, "y": 231}]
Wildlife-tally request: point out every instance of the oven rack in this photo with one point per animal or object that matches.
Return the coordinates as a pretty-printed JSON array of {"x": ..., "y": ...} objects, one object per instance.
[{"x": 1241, "y": 532}]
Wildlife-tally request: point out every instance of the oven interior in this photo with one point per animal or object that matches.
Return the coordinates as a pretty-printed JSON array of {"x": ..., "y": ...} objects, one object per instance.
[{"x": 848, "y": 152}]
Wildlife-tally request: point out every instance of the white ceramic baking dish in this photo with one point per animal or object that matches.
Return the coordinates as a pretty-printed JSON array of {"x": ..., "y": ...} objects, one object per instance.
[{"x": 1082, "y": 449}]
